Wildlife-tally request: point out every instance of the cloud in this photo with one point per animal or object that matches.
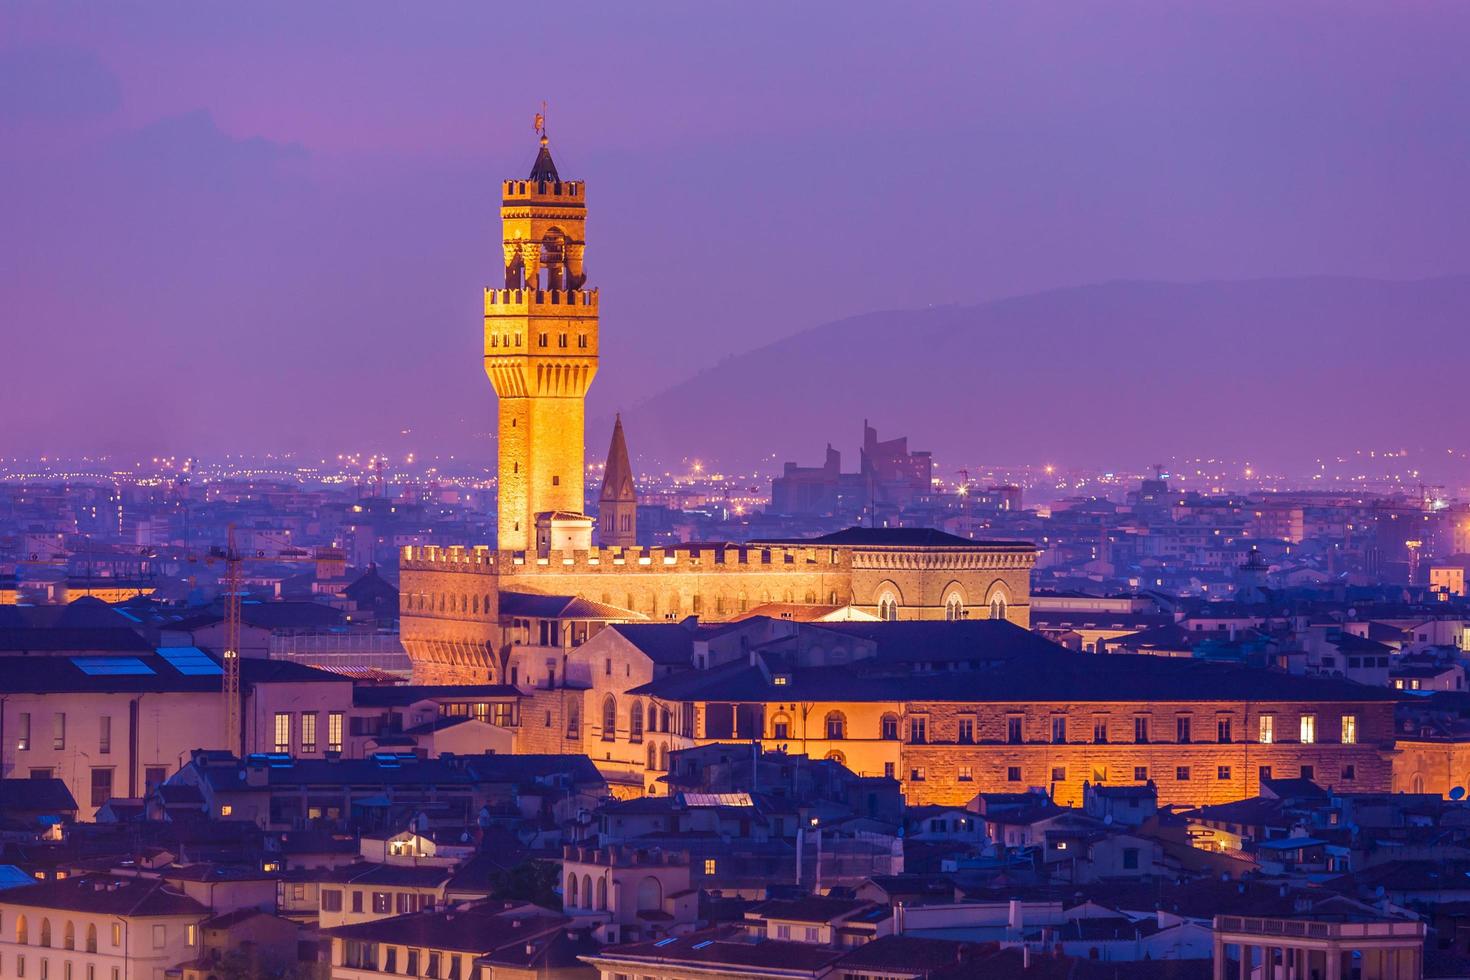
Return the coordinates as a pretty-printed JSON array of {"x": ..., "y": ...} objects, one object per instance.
[
  {"x": 191, "y": 150},
  {"x": 55, "y": 84}
]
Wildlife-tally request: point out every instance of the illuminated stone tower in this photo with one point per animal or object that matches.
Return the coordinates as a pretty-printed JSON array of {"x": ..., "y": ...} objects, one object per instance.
[
  {"x": 617, "y": 507},
  {"x": 541, "y": 349}
]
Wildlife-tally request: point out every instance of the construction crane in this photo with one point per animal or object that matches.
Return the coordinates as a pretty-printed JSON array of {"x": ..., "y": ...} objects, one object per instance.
[{"x": 234, "y": 729}]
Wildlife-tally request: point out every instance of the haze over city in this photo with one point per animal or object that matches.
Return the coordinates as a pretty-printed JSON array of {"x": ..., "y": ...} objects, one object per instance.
[{"x": 222, "y": 219}]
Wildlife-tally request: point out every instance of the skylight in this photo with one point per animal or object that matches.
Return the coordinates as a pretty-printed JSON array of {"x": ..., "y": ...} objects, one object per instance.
[
  {"x": 191, "y": 661},
  {"x": 111, "y": 666}
]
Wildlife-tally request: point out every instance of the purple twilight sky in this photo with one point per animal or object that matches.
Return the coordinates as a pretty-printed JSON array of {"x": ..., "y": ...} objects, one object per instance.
[{"x": 265, "y": 226}]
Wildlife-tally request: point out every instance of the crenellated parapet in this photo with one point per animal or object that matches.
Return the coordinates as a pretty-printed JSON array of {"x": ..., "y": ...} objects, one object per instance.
[
  {"x": 564, "y": 192},
  {"x": 482, "y": 560},
  {"x": 541, "y": 302}
]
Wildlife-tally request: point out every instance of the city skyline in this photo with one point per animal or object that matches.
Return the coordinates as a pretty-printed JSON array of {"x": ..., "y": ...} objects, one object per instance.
[{"x": 756, "y": 492}]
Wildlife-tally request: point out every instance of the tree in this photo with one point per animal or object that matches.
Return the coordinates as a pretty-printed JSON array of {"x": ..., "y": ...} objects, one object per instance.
[{"x": 529, "y": 881}]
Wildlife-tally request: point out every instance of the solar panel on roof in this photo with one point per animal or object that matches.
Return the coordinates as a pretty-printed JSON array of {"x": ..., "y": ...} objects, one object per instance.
[
  {"x": 191, "y": 661},
  {"x": 111, "y": 666}
]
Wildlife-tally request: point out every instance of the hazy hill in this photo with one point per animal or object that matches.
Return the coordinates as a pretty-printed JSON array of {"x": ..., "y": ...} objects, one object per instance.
[{"x": 1277, "y": 371}]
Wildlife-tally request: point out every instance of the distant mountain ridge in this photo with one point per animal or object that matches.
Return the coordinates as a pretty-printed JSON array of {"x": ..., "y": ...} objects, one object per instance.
[{"x": 1275, "y": 370}]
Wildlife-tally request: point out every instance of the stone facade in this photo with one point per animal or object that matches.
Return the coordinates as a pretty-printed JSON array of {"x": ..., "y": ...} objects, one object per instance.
[
  {"x": 1201, "y": 771},
  {"x": 951, "y": 765},
  {"x": 1431, "y": 765},
  {"x": 452, "y": 629}
]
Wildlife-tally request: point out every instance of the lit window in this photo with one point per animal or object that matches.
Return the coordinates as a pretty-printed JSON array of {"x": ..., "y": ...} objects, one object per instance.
[
  {"x": 1268, "y": 729},
  {"x": 1309, "y": 729},
  {"x": 283, "y": 731},
  {"x": 1349, "y": 729},
  {"x": 709, "y": 866},
  {"x": 226, "y": 809},
  {"x": 308, "y": 732}
]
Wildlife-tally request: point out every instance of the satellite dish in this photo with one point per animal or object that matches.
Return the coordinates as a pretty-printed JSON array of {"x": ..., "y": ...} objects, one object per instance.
[{"x": 1458, "y": 793}]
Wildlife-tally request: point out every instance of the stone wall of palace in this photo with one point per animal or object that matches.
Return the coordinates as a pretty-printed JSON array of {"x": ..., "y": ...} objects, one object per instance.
[
  {"x": 947, "y": 769},
  {"x": 1204, "y": 769},
  {"x": 450, "y": 596}
]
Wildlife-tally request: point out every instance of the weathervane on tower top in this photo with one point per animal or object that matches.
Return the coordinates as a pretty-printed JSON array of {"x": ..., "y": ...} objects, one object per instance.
[{"x": 541, "y": 123}]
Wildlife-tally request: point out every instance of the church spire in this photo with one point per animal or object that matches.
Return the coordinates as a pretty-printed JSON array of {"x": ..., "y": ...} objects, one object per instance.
[{"x": 617, "y": 506}]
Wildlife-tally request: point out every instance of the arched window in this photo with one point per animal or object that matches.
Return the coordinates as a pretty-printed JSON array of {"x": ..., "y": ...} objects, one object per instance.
[
  {"x": 571, "y": 898},
  {"x": 609, "y": 718},
  {"x": 652, "y": 758},
  {"x": 954, "y": 608},
  {"x": 837, "y": 757},
  {"x": 1416, "y": 785},
  {"x": 91, "y": 937},
  {"x": 887, "y": 607},
  {"x": 69, "y": 935},
  {"x": 635, "y": 722},
  {"x": 781, "y": 726},
  {"x": 888, "y": 728},
  {"x": 602, "y": 893},
  {"x": 587, "y": 891},
  {"x": 475, "y": 605},
  {"x": 997, "y": 606},
  {"x": 663, "y": 720},
  {"x": 663, "y": 758},
  {"x": 836, "y": 725},
  {"x": 46, "y": 923},
  {"x": 485, "y": 604},
  {"x": 652, "y": 717},
  {"x": 22, "y": 931},
  {"x": 574, "y": 722}
]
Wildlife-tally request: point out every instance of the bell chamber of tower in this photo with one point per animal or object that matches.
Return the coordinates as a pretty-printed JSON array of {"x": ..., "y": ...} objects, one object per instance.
[{"x": 541, "y": 350}]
